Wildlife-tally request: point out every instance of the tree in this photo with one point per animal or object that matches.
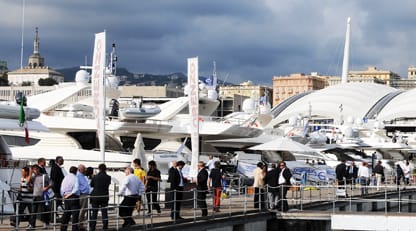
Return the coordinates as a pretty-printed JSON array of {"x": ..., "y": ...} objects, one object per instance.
[
  {"x": 47, "y": 82},
  {"x": 26, "y": 83},
  {"x": 4, "y": 80}
]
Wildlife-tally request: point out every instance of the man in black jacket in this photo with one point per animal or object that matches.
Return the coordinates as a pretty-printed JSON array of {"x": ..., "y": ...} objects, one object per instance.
[
  {"x": 271, "y": 182},
  {"x": 341, "y": 173},
  {"x": 352, "y": 174},
  {"x": 283, "y": 182},
  {"x": 57, "y": 176},
  {"x": 100, "y": 196},
  {"x": 177, "y": 183},
  {"x": 379, "y": 172},
  {"x": 202, "y": 188}
]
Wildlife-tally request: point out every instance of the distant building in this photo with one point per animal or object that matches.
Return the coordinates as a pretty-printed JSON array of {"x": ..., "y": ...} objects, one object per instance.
[
  {"x": 409, "y": 83},
  {"x": 387, "y": 77},
  {"x": 232, "y": 97},
  {"x": 151, "y": 91},
  {"x": 246, "y": 89},
  {"x": 334, "y": 80},
  {"x": 35, "y": 70},
  {"x": 287, "y": 86}
]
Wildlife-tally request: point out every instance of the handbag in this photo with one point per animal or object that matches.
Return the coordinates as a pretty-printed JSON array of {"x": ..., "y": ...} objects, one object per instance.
[{"x": 48, "y": 194}]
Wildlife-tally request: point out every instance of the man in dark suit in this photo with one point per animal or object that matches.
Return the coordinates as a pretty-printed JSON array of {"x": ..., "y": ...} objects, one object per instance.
[
  {"x": 271, "y": 182},
  {"x": 100, "y": 196},
  {"x": 352, "y": 174},
  {"x": 341, "y": 173},
  {"x": 202, "y": 188},
  {"x": 283, "y": 181},
  {"x": 177, "y": 183},
  {"x": 57, "y": 176}
]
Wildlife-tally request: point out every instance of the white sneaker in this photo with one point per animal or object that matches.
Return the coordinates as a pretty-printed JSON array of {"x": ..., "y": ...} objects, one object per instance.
[
  {"x": 29, "y": 227},
  {"x": 46, "y": 226}
]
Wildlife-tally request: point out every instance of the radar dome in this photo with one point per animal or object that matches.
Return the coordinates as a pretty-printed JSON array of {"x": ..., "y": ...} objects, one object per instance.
[
  {"x": 212, "y": 94},
  {"x": 249, "y": 106},
  {"x": 82, "y": 76}
]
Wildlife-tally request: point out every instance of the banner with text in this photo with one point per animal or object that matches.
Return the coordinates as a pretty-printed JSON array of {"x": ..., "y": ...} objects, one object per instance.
[
  {"x": 193, "y": 96},
  {"x": 97, "y": 81}
]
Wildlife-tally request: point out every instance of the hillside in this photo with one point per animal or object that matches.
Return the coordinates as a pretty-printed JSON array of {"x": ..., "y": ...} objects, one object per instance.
[{"x": 128, "y": 78}]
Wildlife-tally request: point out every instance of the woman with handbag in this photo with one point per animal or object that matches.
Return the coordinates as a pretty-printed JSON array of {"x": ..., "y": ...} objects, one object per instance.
[{"x": 40, "y": 184}]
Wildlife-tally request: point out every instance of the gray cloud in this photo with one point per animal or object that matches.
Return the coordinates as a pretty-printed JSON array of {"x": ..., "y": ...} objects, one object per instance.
[{"x": 250, "y": 40}]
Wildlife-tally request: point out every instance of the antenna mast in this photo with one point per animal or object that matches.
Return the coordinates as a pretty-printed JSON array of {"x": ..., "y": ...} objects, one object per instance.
[
  {"x": 345, "y": 63},
  {"x": 113, "y": 60},
  {"x": 23, "y": 31}
]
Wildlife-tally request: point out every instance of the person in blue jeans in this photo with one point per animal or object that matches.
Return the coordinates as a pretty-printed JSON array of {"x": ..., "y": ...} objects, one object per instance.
[{"x": 364, "y": 176}]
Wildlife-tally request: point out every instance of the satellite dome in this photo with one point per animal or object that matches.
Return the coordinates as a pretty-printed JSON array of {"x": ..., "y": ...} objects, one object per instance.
[
  {"x": 82, "y": 76},
  {"x": 212, "y": 94},
  {"x": 249, "y": 105}
]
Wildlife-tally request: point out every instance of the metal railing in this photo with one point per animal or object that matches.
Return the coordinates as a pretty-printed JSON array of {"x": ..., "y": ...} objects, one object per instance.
[{"x": 238, "y": 199}]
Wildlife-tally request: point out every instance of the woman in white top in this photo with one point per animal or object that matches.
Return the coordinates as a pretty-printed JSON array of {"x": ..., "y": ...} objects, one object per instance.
[
  {"x": 259, "y": 174},
  {"x": 406, "y": 171},
  {"x": 364, "y": 176}
]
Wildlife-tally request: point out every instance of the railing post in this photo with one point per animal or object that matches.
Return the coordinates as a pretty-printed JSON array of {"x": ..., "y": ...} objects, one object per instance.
[
  {"x": 245, "y": 199},
  {"x": 399, "y": 200},
  {"x": 55, "y": 212},
  {"x": 301, "y": 197},
  {"x": 3, "y": 200},
  {"x": 144, "y": 210},
  {"x": 267, "y": 204},
  {"x": 151, "y": 205},
  {"x": 117, "y": 212},
  {"x": 195, "y": 192},
  {"x": 174, "y": 206},
  {"x": 230, "y": 210},
  {"x": 17, "y": 215},
  {"x": 89, "y": 211}
]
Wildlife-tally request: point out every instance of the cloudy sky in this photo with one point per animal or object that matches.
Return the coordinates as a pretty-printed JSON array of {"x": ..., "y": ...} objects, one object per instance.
[{"x": 249, "y": 39}]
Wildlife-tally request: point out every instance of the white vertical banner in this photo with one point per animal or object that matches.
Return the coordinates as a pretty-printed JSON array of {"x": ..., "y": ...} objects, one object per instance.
[
  {"x": 97, "y": 81},
  {"x": 193, "y": 96}
]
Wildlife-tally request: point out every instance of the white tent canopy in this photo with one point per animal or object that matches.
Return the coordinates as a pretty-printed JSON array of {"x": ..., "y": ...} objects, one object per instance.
[{"x": 283, "y": 144}]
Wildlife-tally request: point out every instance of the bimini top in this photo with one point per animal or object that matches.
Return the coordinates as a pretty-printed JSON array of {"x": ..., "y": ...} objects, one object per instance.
[
  {"x": 400, "y": 107},
  {"x": 349, "y": 100}
]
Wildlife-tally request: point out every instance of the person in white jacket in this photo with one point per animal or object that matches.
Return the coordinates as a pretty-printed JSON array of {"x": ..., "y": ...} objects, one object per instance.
[
  {"x": 364, "y": 176},
  {"x": 407, "y": 173}
]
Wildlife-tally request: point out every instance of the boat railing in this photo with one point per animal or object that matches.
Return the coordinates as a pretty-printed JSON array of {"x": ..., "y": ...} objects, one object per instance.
[{"x": 238, "y": 200}]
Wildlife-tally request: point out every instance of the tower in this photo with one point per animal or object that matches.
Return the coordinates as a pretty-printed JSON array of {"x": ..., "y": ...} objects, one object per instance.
[{"x": 35, "y": 60}]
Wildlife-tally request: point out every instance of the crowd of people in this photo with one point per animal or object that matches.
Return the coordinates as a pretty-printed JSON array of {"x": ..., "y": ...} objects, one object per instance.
[
  {"x": 82, "y": 190},
  {"x": 77, "y": 190},
  {"x": 366, "y": 176},
  {"x": 276, "y": 182}
]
